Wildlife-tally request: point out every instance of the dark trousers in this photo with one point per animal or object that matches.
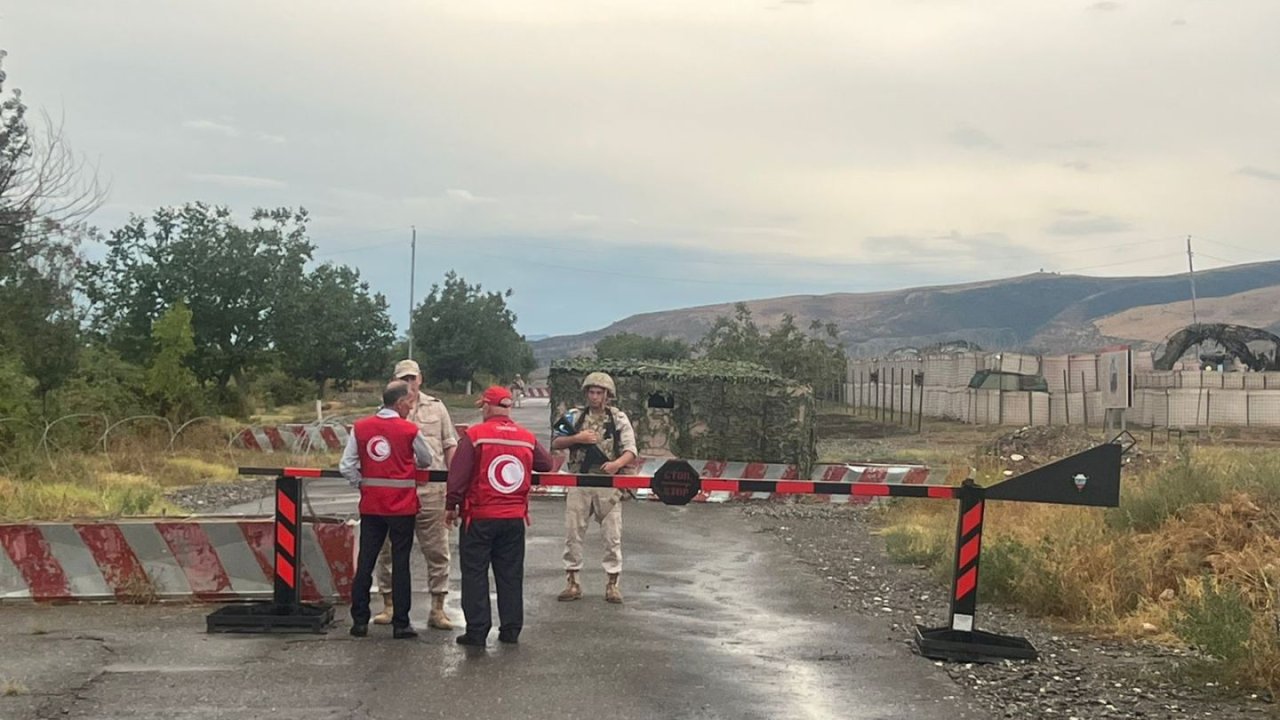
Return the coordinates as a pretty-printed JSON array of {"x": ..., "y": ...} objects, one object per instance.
[
  {"x": 500, "y": 543},
  {"x": 374, "y": 530}
]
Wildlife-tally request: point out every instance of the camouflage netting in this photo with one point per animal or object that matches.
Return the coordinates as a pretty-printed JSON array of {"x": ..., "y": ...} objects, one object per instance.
[{"x": 702, "y": 409}]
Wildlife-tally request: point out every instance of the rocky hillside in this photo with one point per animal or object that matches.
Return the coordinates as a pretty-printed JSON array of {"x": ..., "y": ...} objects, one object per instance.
[{"x": 1042, "y": 312}]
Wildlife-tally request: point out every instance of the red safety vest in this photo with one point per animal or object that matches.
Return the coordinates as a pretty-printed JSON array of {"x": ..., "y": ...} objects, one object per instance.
[
  {"x": 387, "y": 466},
  {"x": 503, "y": 470}
]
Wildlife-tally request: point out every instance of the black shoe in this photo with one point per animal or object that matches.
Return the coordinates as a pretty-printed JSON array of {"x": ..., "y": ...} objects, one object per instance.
[
  {"x": 473, "y": 641},
  {"x": 360, "y": 630},
  {"x": 510, "y": 638},
  {"x": 405, "y": 633}
]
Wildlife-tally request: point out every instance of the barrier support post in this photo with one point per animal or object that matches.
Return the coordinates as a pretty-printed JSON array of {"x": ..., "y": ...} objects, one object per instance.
[
  {"x": 285, "y": 612},
  {"x": 960, "y": 641}
]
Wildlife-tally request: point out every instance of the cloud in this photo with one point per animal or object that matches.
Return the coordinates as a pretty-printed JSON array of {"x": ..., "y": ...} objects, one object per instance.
[
  {"x": 1259, "y": 173},
  {"x": 966, "y": 135},
  {"x": 211, "y": 126},
  {"x": 1105, "y": 6},
  {"x": 465, "y": 197},
  {"x": 583, "y": 219},
  {"x": 271, "y": 138},
  {"x": 238, "y": 181},
  {"x": 1083, "y": 222},
  {"x": 1078, "y": 166}
]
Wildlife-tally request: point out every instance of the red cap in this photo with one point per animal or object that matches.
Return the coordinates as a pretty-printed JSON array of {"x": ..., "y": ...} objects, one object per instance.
[{"x": 496, "y": 395}]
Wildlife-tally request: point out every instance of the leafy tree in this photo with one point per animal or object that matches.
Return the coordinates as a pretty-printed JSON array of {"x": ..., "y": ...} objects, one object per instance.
[
  {"x": 460, "y": 330},
  {"x": 169, "y": 380},
  {"x": 42, "y": 200},
  {"x": 814, "y": 358},
  {"x": 104, "y": 383},
  {"x": 235, "y": 280},
  {"x": 629, "y": 346},
  {"x": 333, "y": 328}
]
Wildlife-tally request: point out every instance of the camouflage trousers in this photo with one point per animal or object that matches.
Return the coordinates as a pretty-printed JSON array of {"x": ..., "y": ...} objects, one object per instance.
[
  {"x": 603, "y": 504},
  {"x": 432, "y": 538}
]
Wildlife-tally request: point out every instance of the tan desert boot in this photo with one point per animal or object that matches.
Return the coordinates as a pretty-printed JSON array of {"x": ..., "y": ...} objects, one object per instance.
[
  {"x": 572, "y": 590},
  {"x": 384, "y": 617},
  {"x": 611, "y": 592},
  {"x": 437, "y": 619}
]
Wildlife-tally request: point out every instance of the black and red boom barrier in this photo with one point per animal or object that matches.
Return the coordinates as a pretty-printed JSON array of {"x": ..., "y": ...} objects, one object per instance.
[{"x": 1090, "y": 478}]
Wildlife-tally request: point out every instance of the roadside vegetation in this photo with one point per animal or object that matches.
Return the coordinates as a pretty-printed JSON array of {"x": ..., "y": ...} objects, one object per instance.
[{"x": 1191, "y": 557}]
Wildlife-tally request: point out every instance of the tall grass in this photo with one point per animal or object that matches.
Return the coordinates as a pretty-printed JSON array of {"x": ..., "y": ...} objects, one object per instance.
[
  {"x": 1194, "y": 549},
  {"x": 129, "y": 479}
]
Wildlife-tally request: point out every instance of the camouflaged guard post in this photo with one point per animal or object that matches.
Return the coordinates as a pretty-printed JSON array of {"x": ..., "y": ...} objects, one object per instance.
[{"x": 702, "y": 409}]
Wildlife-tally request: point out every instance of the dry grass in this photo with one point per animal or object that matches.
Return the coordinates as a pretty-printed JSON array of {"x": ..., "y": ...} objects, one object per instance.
[
  {"x": 130, "y": 479},
  {"x": 1194, "y": 550}
]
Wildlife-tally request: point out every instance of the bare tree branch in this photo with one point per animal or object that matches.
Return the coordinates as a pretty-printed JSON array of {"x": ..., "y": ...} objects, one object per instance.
[{"x": 45, "y": 187}]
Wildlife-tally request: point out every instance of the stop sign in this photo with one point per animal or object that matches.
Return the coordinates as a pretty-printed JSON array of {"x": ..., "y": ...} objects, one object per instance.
[{"x": 676, "y": 483}]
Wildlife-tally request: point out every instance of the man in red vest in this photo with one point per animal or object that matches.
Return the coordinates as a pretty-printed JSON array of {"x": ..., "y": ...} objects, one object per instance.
[
  {"x": 489, "y": 483},
  {"x": 382, "y": 456}
]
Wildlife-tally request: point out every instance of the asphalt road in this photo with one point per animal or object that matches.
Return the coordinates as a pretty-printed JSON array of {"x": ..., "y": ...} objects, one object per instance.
[{"x": 719, "y": 622}]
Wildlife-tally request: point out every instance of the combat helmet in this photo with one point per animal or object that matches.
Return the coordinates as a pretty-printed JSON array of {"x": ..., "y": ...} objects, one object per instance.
[{"x": 600, "y": 380}]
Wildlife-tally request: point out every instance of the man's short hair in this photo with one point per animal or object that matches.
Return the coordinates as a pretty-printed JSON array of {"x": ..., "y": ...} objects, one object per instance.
[{"x": 396, "y": 391}]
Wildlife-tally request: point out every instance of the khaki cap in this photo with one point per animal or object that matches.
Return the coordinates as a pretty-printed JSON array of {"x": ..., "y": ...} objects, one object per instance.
[{"x": 407, "y": 367}]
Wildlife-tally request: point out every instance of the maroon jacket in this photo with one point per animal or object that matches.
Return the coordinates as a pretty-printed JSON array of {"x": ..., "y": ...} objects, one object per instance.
[{"x": 462, "y": 470}]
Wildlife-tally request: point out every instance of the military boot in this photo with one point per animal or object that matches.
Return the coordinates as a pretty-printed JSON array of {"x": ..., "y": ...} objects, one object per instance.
[
  {"x": 437, "y": 619},
  {"x": 611, "y": 592},
  {"x": 384, "y": 617},
  {"x": 572, "y": 590}
]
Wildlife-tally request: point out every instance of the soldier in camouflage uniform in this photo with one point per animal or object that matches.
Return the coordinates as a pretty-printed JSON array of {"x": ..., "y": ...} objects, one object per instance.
[{"x": 600, "y": 441}]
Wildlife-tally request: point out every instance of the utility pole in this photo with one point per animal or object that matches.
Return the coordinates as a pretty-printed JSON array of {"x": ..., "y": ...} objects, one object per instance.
[
  {"x": 412, "y": 267},
  {"x": 1191, "y": 275}
]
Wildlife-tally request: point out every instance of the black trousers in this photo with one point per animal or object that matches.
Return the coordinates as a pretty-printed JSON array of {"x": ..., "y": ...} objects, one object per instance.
[
  {"x": 374, "y": 530},
  {"x": 499, "y": 543}
]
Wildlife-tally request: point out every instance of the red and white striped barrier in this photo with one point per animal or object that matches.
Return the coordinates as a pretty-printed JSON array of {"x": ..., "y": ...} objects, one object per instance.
[
  {"x": 844, "y": 473},
  {"x": 537, "y": 392},
  {"x": 293, "y": 437},
  {"x": 206, "y": 559}
]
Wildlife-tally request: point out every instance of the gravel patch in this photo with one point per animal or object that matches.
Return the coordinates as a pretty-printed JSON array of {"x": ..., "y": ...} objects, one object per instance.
[
  {"x": 1075, "y": 677},
  {"x": 216, "y": 497}
]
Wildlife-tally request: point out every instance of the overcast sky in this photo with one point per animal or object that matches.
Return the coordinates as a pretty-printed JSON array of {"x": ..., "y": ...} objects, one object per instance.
[{"x": 606, "y": 158}]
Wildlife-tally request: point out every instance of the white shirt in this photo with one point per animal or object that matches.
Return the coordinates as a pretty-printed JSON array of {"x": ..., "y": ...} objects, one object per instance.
[{"x": 349, "y": 466}]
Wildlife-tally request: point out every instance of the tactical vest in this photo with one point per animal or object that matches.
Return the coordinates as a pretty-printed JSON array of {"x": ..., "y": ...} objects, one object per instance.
[{"x": 608, "y": 435}]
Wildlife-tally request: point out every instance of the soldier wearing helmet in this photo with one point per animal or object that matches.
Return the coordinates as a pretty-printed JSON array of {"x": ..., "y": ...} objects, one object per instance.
[{"x": 600, "y": 441}]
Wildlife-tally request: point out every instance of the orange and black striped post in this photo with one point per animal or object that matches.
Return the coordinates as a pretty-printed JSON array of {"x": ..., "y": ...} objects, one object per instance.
[
  {"x": 285, "y": 612},
  {"x": 964, "y": 586},
  {"x": 288, "y": 571}
]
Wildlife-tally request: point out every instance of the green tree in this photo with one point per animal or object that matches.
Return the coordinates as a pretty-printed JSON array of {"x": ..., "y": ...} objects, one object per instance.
[
  {"x": 815, "y": 358},
  {"x": 43, "y": 197},
  {"x": 169, "y": 380},
  {"x": 235, "y": 280},
  {"x": 460, "y": 330},
  {"x": 629, "y": 346},
  {"x": 333, "y": 328},
  {"x": 734, "y": 338}
]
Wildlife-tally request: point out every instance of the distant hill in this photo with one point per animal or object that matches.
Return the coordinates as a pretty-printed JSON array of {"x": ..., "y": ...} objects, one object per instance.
[{"x": 1041, "y": 312}]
